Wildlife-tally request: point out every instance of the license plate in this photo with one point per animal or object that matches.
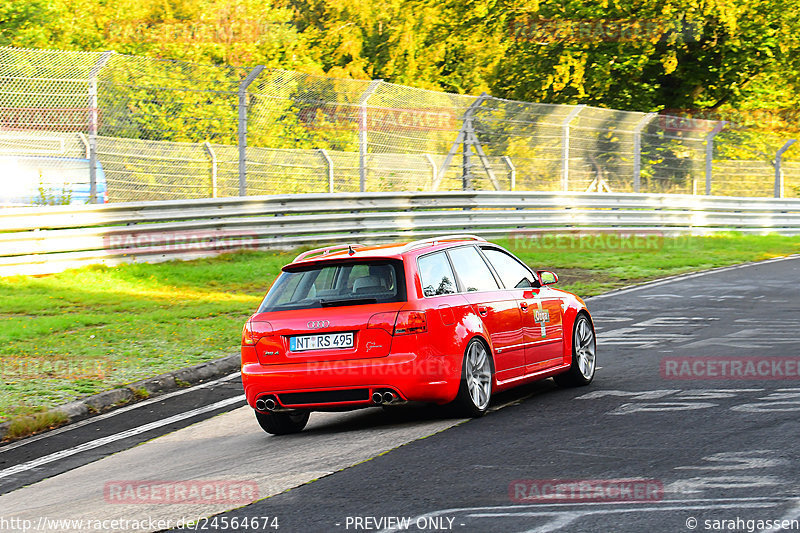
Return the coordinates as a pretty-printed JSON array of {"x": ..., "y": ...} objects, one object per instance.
[{"x": 323, "y": 341}]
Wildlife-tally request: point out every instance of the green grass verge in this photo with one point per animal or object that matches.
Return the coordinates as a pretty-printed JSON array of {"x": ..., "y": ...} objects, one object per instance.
[{"x": 87, "y": 330}]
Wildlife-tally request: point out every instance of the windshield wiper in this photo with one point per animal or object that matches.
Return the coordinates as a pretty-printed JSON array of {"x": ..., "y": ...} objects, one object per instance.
[{"x": 348, "y": 301}]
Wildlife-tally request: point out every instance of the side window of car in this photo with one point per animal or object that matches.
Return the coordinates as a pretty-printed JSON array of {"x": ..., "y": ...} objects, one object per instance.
[
  {"x": 472, "y": 270},
  {"x": 436, "y": 275},
  {"x": 512, "y": 273}
]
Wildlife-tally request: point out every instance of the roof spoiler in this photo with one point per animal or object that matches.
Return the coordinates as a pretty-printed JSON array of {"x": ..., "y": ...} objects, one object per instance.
[{"x": 318, "y": 252}]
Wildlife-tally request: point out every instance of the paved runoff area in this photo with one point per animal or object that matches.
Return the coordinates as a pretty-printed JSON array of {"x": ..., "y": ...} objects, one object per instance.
[{"x": 691, "y": 424}]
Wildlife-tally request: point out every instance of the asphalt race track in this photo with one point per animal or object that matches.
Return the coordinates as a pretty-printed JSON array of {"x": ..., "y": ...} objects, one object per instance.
[{"x": 690, "y": 425}]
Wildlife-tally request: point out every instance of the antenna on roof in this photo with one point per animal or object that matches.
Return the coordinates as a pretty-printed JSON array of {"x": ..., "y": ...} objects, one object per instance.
[{"x": 350, "y": 249}]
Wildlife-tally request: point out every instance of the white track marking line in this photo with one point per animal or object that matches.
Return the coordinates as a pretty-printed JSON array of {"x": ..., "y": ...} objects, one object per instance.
[
  {"x": 793, "y": 514},
  {"x": 691, "y": 275},
  {"x": 575, "y": 515},
  {"x": 116, "y": 412},
  {"x": 518, "y": 509},
  {"x": 115, "y": 437}
]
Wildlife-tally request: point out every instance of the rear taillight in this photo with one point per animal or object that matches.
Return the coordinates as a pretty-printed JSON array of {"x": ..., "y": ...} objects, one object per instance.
[
  {"x": 410, "y": 322},
  {"x": 399, "y": 323},
  {"x": 254, "y": 330},
  {"x": 384, "y": 321}
]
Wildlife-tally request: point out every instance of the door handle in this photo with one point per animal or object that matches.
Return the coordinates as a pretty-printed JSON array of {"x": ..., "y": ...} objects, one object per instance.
[
  {"x": 523, "y": 306},
  {"x": 483, "y": 311}
]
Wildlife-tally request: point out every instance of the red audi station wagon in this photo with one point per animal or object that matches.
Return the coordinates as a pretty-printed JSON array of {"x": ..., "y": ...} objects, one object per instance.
[{"x": 452, "y": 319}]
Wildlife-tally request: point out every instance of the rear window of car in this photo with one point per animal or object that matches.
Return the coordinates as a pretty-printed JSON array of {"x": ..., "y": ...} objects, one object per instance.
[{"x": 337, "y": 284}]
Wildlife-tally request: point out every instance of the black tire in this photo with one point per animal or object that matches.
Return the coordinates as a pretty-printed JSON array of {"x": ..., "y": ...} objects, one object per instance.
[
  {"x": 584, "y": 355},
  {"x": 282, "y": 423},
  {"x": 477, "y": 376}
]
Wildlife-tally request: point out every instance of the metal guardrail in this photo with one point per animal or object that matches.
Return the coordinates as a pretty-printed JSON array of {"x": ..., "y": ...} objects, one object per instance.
[{"x": 43, "y": 240}]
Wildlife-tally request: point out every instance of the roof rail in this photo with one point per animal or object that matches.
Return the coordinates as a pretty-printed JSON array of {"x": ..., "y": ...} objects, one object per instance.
[
  {"x": 326, "y": 250},
  {"x": 444, "y": 238}
]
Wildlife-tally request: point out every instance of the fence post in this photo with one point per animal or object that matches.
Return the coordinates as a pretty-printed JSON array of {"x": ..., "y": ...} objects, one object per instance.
[
  {"x": 466, "y": 152},
  {"x": 710, "y": 152},
  {"x": 93, "y": 123},
  {"x": 465, "y": 137},
  {"x": 512, "y": 173},
  {"x": 432, "y": 164},
  {"x": 637, "y": 150},
  {"x": 242, "y": 128},
  {"x": 470, "y": 139},
  {"x": 565, "y": 146},
  {"x": 362, "y": 134},
  {"x": 328, "y": 166},
  {"x": 86, "y": 149},
  {"x": 213, "y": 156},
  {"x": 778, "y": 170}
]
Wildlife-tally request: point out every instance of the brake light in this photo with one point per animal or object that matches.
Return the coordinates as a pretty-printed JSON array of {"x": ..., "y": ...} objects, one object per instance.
[
  {"x": 248, "y": 339},
  {"x": 254, "y": 330},
  {"x": 410, "y": 322}
]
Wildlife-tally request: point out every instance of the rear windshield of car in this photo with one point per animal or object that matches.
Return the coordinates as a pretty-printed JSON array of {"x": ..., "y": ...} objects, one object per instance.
[{"x": 337, "y": 284}]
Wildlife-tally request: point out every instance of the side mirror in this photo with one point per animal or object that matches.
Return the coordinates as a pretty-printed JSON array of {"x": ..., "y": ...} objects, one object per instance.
[{"x": 547, "y": 277}]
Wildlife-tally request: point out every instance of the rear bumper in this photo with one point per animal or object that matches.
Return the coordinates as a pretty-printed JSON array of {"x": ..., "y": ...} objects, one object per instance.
[{"x": 414, "y": 378}]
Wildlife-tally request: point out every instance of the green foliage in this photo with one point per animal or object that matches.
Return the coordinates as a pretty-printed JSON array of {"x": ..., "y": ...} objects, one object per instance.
[
  {"x": 682, "y": 54},
  {"x": 28, "y": 425},
  {"x": 686, "y": 54}
]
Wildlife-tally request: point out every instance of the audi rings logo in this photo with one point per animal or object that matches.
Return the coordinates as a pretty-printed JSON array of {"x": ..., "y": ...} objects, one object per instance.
[{"x": 318, "y": 324}]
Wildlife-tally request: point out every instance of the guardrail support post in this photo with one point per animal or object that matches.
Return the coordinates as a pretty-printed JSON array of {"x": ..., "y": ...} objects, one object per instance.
[
  {"x": 778, "y": 170},
  {"x": 94, "y": 123},
  {"x": 328, "y": 167},
  {"x": 432, "y": 164},
  {"x": 565, "y": 146},
  {"x": 710, "y": 152},
  {"x": 512, "y": 173},
  {"x": 362, "y": 134},
  {"x": 242, "y": 128},
  {"x": 637, "y": 150},
  {"x": 213, "y": 156}
]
